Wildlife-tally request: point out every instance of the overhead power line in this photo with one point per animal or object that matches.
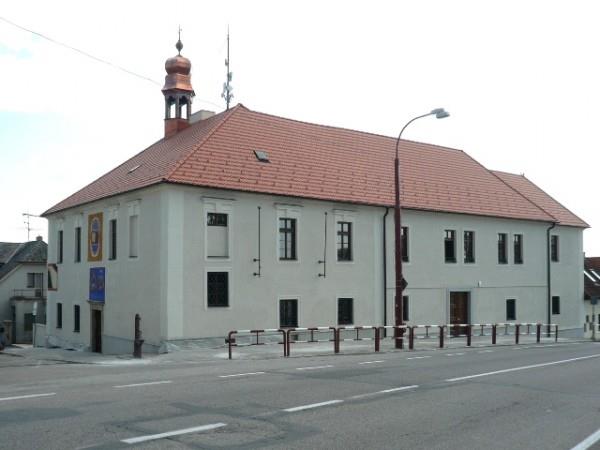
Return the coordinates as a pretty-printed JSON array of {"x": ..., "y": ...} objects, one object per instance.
[{"x": 81, "y": 52}]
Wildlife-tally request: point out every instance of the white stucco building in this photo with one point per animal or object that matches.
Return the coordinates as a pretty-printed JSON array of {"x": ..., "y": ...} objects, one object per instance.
[{"x": 248, "y": 220}]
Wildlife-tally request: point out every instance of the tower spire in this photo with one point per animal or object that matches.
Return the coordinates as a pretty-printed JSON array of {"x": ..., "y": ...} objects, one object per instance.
[{"x": 179, "y": 44}]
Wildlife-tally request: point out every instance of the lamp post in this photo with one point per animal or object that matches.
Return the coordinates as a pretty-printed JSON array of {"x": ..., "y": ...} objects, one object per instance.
[{"x": 400, "y": 284}]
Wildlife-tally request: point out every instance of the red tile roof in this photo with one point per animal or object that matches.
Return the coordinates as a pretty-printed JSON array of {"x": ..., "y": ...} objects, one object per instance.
[
  {"x": 313, "y": 161},
  {"x": 542, "y": 199}
]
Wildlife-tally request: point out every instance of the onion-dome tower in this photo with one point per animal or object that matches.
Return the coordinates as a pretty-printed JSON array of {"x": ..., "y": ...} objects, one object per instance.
[{"x": 178, "y": 92}]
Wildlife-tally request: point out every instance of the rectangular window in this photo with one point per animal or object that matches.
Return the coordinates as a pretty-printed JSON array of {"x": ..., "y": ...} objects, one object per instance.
[
  {"x": 76, "y": 320},
  {"x": 345, "y": 311},
  {"x": 469, "y": 243},
  {"x": 511, "y": 309},
  {"x": 502, "y": 249},
  {"x": 133, "y": 236},
  {"x": 217, "y": 235},
  {"x": 288, "y": 313},
  {"x": 31, "y": 280},
  {"x": 405, "y": 308},
  {"x": 59, "y": 256},
  {"x": 554, "y": 248},
  {"x": 344, "y": 241},
  {"x": 59, "y": 315},
  {"x": 555, "y": 304},
  {"x": 112, "y": 239},
  {"x": 450, "y": 246},
  {"x": 518, "y": 248},
  {"x": 405, "y": 244},
  {"x": 28, "y": 319},
  {"x": 287, "y": 239},
  {"x": 78, "y": 244},
  {"x": 217, "y": 289}
]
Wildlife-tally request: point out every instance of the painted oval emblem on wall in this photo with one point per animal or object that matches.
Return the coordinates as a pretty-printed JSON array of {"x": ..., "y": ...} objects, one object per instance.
[{"x": 95, "y": 237}]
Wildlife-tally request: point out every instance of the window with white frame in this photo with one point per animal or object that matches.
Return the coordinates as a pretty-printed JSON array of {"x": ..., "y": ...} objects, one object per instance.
[{"x": 217, "y": 219}]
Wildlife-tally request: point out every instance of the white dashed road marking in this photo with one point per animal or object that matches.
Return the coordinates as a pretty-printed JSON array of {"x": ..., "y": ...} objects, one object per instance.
[
  {"x": 371, "y": 362},
  {"x": 21, "y": 397},
  {"x": 313, "y": 367},
  {"x": 588, "y": 442},
  {"x": 151, "y": 383},
  {"x": 153, "y": 437},
  {"x": 419, "y": 357},
  {"x": 514, "y": 369},
  {"x": 241, "y": 374},
  {"x": 313, "y": 405}
]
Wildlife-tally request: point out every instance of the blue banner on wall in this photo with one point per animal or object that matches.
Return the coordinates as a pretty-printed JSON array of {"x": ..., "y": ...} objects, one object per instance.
[{"x": 97, "y": 281}]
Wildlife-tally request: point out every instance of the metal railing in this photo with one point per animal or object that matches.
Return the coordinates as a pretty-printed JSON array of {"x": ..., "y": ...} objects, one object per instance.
[{"x": 35, "y": 293}]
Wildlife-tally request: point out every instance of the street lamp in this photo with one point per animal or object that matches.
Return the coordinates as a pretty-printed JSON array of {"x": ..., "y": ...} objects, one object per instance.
[{"x": 439, "y": 113}]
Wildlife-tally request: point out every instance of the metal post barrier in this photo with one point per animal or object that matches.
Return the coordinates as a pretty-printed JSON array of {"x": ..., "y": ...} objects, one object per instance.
[
  {"x": 469, "y": 335},
  {"x": 494, "y": 329},
  {"x": 377, "y": 337},
  {"x": 517, "y": 329},
  {"x": 556, "y": 333},
  {"x": 137, "y": 341},
  {"x": 538, "y": 332},
  {"x": 411, "y": 338},
  {"x": 231, "y": 341},
  {"x": 336, "y": 341},
  {"x": 441, "y": 335}
]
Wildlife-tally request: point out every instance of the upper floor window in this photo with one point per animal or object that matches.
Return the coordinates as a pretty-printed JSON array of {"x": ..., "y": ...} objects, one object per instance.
[
  {"x": 344, "y": 241},
  {"x": 77, "y": 244},
  {"x": 405, "y": 244},
  {"x": 469, "y": 244},
  {"x": 112, "y": 239},
  {"x": 450, "y": 246},
  {"x": 554, "y": 248},
  {"x": 133, "y": 236},
  {"x": 287, "y": 239},
  {"x": 502, "y": 249},
  {"x": 518, "y": 248},
  {"x": 59, "y": 256},
  {"x": 217, "y": 235}
]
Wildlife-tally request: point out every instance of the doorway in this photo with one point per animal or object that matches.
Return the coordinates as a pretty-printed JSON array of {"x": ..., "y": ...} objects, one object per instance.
[
  {"x": 459, "y": 311},
  {"x": 97, "y": 330}
]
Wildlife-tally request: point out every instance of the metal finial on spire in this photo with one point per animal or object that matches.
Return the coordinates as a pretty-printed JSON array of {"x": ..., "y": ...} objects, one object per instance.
[{"x": 179, "y": 45}]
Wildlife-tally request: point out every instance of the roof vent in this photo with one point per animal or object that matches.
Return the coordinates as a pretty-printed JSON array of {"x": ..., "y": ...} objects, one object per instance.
[
  {"x": 262, "y": 156},
  {"x": 134, "y": 168}
]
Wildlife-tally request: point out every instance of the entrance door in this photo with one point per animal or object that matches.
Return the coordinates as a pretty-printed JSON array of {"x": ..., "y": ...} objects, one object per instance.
[
  {"x": 288, "y": 313},
  {"x": 459, "y": 311},
  {"x": 97, "y": 330}
]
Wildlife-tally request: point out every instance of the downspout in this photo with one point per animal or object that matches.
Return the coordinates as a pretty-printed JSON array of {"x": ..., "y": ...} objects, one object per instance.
[
  {"x": 549, "y": 278},
  {"x": 387, "y": 210}
]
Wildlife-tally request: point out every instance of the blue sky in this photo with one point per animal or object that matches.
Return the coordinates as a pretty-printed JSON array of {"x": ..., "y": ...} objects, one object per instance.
[{"x": 519, "y": 79}]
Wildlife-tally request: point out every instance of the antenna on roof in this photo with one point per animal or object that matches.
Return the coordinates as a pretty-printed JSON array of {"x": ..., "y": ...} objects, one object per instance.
[
  {"x": 27, "y": 222},
  {"x": 227, "y": 88}
]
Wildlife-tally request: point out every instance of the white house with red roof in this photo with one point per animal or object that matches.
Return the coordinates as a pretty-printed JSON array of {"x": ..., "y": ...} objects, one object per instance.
[{"x": 247, "y": 220}]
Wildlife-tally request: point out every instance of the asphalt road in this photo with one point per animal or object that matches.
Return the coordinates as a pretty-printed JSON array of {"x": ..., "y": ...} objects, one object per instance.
[{"x": 526, "y": 397}]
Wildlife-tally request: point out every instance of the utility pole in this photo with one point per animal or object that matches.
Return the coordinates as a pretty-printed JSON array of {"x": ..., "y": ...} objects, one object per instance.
[{"x": 227, "y": 88}]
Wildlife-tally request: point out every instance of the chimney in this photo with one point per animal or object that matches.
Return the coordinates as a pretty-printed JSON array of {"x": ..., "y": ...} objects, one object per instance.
[
  {"x": 39, "y": 238},
  {"x": 178, "y": 93},
  {"x": 201, "y": 115}
]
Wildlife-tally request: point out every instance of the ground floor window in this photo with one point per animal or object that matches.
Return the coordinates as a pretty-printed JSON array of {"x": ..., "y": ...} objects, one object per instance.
[
  {"x": 555, "y": 304},
  {"x": 288, "y": 313},
  {"x": 59, "y": 315},
  {"x": 76, "y": 318},
  {"x": 345, "y": 311},
  {"x": 217, "y": 289},
  {"x": 511, "y": 309},
  {"x": 405, "y": 308}
]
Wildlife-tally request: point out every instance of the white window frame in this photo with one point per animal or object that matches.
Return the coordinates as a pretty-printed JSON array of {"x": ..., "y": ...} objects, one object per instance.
[
  {"x": 288, "y": 212},
  {"x": 340, "y": 215},
  {"x": 288, "y": 297},
  {"x": 133, "y": 209},
  {"x": 230, "y": 290},
  {"x": 219, "y": 206}
]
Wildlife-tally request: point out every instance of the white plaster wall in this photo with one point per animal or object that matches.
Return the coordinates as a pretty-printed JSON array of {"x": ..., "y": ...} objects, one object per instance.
[
  {"x": 17, "y": 279},
  {"x": 133, "y": 285}
]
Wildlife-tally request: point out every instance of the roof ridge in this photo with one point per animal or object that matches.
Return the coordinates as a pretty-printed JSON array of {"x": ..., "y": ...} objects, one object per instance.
[
  {"x": 562, "y": 206},
  {"x": 224, "y": 119},
  {"x": 320, "y": 125}
]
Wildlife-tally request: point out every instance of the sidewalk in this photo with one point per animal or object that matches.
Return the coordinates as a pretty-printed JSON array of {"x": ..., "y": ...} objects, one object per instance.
[{"x": 26, "y": 355}]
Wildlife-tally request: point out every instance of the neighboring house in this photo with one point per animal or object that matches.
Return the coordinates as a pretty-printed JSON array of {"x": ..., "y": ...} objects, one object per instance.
[
  {"x": 246, "y": 220},
  {"x": 591, "y": 290},
  {"x": 22, "y": 284}
]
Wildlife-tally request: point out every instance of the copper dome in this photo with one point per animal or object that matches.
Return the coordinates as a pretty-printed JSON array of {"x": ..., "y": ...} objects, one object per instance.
[{"x": 178, "y": 64}]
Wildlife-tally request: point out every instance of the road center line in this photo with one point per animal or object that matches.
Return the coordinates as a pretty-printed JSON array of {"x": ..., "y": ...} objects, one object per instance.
[
  {"x": 486, "y": 351},
  {"x": 20, "y": 397},
  {"x": 241, "y": 374},
  {"x": 150, "y": 383},
  {"x": 386, "y": 391},
  {"x": 588, "y": 441},
  {"x": 313, "y": 405},
  {"x": 313, "y": 367},
  {"x": 152, "y": 437},
  {"x": 514, "y": 369},
  {"x": 371, "y": 362},
  {"x": 419, "y": 357}
]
